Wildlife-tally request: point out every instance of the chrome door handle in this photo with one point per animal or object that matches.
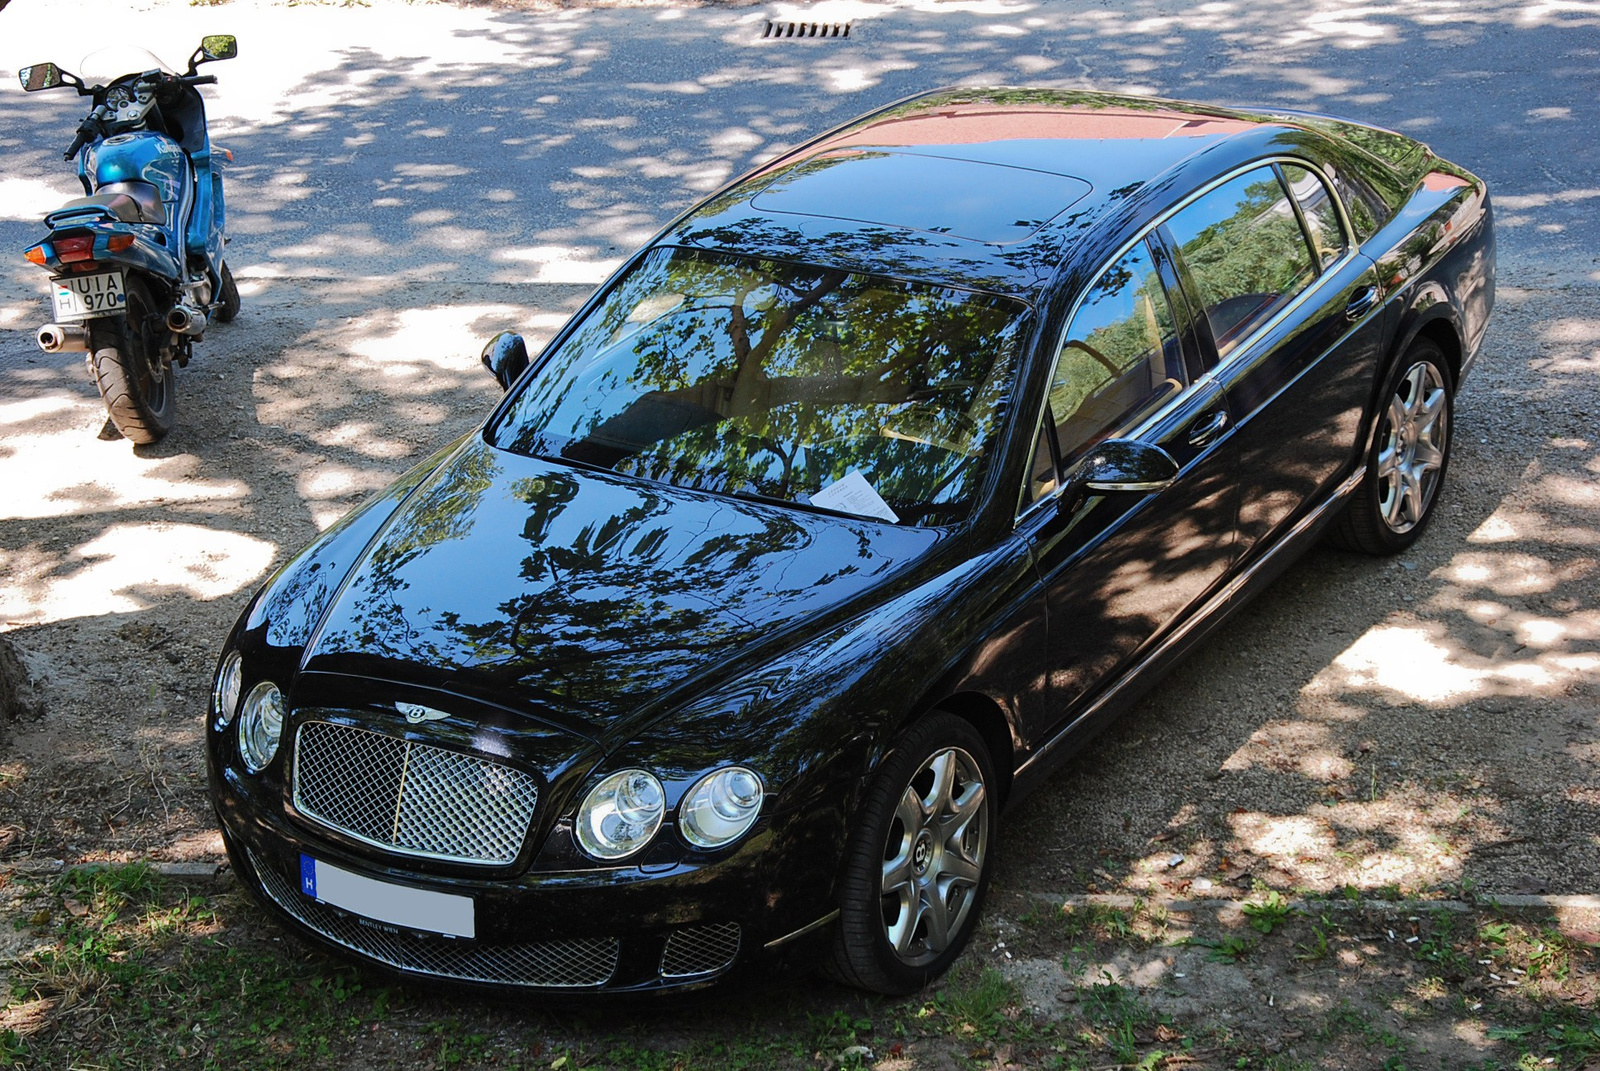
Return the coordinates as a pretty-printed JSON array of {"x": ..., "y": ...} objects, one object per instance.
[
  {"x": 1203, "y": 434},
  {"x": 1362, "y": 303}
]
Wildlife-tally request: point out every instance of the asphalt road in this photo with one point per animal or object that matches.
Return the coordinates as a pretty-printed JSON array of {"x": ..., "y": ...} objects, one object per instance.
[{"x": 480, "y": 144}]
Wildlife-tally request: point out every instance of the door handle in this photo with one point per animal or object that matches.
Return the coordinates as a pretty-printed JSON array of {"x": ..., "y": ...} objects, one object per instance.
[
  {"x": 1204, "y": 431},
  {"x": 1361, "y": 303}
]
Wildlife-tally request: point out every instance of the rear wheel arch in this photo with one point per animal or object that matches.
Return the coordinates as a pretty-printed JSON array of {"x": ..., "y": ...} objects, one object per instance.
[{"x": 1442, "y": 333}]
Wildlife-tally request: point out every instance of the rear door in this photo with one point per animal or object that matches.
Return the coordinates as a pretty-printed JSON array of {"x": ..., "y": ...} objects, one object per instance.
[{"x": 1291, "y": 317}]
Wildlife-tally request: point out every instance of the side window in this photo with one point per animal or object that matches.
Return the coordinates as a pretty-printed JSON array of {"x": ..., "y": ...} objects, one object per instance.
[
  {"x": 1246, "y": 252},
  {"x": 1042, "y": 469},
  {"x": 1120, "y": 360},
  {"x": 1364, "y": 207},
  {"x": 1322, "y": 217}
]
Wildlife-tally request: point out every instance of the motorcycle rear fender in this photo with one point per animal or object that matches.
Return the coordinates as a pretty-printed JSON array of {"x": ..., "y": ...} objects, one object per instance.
[{"x": 150, "y": 253}]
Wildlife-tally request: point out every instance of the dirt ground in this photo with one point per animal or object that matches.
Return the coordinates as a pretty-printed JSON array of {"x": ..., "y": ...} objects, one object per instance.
[
  {"x": 1415, "y": 723},
  {"x": 1425, "y": 727},
  {"x": 1423, "y": 732}
]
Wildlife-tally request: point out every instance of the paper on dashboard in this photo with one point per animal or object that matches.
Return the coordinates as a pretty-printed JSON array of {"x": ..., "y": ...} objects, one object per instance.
[{"x": 854, "y": 494}]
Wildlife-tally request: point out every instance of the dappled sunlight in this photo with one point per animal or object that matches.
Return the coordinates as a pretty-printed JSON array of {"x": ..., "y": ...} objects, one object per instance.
[
  {"x": 413, "y": 178},
  {"x": 1420, "y": 664},
  {"x": 445, "y": 337},
  {"x": 27, "y": 199},
  {"x": 1305, "y": 747},
  {"x": 130, "y": 567},
  {"x": 568, "y": 265},
  {"x": 55, "y": 467}
]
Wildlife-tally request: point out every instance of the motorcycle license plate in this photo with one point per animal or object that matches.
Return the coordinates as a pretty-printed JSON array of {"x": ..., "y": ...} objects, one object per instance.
[{"x": 85, "y": 297}]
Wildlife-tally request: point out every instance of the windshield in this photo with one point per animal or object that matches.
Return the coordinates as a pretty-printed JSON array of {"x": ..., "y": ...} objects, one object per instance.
[
  {"x": 807, "y": 385},
  {"x": 107, "y": 65}
]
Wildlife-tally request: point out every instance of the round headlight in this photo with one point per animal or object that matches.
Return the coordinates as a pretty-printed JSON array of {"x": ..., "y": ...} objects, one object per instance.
[
  {"x": 621, "y": 815},
  {"x": 720, "y": 807},
  {"x": 225, "y": 695},
  {"x": 260, "y": 725}
]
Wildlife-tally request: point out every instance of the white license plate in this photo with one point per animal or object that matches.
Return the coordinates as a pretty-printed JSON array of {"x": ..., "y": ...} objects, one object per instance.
[
  {"x": 398, "y": 905},
  {"x": 85, "y": 297}
]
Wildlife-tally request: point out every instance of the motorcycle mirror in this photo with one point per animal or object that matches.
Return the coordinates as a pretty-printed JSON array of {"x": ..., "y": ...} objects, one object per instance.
[
  {"x": 506, "y": 357},
  {"x": 41, "y": 76},
  {"x": 217, "y": 46}
]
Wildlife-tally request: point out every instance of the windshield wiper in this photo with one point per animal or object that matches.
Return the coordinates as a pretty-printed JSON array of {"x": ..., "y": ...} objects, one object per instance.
[{"x": 792, "y": 503}]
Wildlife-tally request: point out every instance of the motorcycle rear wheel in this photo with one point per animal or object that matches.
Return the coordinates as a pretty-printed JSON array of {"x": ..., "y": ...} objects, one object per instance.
[
  {"x": 139, "y": 388},
  {"x": 228, "y": 294}
]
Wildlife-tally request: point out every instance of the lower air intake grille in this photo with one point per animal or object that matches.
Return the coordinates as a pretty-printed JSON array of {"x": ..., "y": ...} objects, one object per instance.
[
  {"x": 411, "y": 798},
  {"x": 551, "y": 964},
  {"x": 700, "y": 950}
]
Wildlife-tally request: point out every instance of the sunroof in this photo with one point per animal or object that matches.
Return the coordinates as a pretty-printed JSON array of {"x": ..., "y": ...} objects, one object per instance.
[{"x": 966, "y": 199}]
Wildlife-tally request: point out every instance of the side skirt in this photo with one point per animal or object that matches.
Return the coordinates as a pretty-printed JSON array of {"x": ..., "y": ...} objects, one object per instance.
[{"x": 1170, "y": 649}]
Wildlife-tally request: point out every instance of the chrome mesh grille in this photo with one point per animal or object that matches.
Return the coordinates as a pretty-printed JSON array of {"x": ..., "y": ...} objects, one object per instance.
[
  {"x": 552, "y": 964},
  {"x": 700, "y": 950},
  {"x": 411, "y": 798}
]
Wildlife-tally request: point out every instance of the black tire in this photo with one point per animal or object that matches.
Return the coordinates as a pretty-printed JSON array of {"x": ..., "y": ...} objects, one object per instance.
[
  {"x": 928, "y": 821},
  {"x": 1408, "y": 459},
  {"x": 138, "y": 386},
  {"x": 228, "y": 295}
]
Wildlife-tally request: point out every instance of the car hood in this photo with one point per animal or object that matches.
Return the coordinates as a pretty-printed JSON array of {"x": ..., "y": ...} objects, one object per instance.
[{"x": 576, "y": 594}]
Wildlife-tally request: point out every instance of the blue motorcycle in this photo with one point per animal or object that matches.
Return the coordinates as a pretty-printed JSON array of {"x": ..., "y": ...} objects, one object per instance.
[{"x": 137, "y": 265}]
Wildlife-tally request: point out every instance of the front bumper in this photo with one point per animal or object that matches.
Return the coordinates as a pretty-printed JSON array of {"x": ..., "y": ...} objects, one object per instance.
[{"x": 627, "y": 929}]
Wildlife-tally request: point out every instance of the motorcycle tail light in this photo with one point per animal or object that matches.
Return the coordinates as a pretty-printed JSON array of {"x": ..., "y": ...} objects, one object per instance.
[
  {"x": 71, "y": 250},
  {"x": 118, "y": 242},
  {"x": 38, "y": 254}
]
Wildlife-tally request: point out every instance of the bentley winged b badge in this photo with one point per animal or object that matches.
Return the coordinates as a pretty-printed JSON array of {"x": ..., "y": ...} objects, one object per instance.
[{"x": 416, "y": 713}]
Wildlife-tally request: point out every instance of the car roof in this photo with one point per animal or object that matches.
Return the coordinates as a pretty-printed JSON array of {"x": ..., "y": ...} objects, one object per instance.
[{"x": 983, "y": 188}]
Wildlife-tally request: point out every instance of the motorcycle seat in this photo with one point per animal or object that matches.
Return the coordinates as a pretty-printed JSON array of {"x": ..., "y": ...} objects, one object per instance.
[{"x": 121, "y": 205}]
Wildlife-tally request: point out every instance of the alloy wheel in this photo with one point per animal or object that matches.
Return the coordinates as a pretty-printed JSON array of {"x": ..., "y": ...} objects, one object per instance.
[
  {"x": 1415, "y": 438},
  {"x": 934, "y": 857}
]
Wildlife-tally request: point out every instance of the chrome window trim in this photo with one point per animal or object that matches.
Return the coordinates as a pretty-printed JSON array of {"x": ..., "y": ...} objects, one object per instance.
[{"x": 1224, "y": 364}]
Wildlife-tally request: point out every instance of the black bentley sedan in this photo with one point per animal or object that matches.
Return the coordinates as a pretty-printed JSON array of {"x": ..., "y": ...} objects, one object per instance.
[{"x": 866, "y": 492}]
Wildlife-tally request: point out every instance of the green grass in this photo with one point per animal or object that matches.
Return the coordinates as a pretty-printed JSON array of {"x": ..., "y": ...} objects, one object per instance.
[
  {"x": 1268, "y": 913},
  {"x": 133, "y": 972},
  {"x": 1143, "y": 924}
]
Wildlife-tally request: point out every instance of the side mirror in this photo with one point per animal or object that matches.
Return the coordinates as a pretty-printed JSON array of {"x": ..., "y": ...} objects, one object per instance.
[
  {"x": 217, "y": 46},
  {"x": 1127, "y": 465},
  {"x": 506, "y": 358},
  {"x": 40, "y": 76}
]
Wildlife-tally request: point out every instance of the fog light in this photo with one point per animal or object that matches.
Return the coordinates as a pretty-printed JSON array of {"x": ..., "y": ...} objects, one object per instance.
[{"x": 260, "y": 725}]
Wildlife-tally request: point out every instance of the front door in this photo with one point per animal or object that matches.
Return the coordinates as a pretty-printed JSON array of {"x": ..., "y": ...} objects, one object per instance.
[{"x": 1119, "y": 568}]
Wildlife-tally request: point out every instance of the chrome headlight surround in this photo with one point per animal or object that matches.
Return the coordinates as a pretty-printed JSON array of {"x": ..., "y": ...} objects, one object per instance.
[
  {"x": 226, "y": 690},
  {"x": 620, "y": 815},
  {"x": 261, "y": 726},
  {"x": 721, "y": 807}
]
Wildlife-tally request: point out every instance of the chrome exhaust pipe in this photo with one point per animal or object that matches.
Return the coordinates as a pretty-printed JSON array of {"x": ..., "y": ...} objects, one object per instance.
[
  {"x": 186, "y": 320},
  {"x": 63, "y": 338}
]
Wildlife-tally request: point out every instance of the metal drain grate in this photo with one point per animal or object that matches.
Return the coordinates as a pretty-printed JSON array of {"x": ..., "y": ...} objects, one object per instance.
[{"x": 805, "y": 29}]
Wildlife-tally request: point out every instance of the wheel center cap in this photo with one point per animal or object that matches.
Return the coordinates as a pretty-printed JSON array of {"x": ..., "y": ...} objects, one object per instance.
[{"x": 922, "y": 853}]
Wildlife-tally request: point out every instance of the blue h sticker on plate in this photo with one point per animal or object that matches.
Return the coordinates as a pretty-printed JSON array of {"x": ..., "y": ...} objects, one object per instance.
[{"x": 308, "y": 876}]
